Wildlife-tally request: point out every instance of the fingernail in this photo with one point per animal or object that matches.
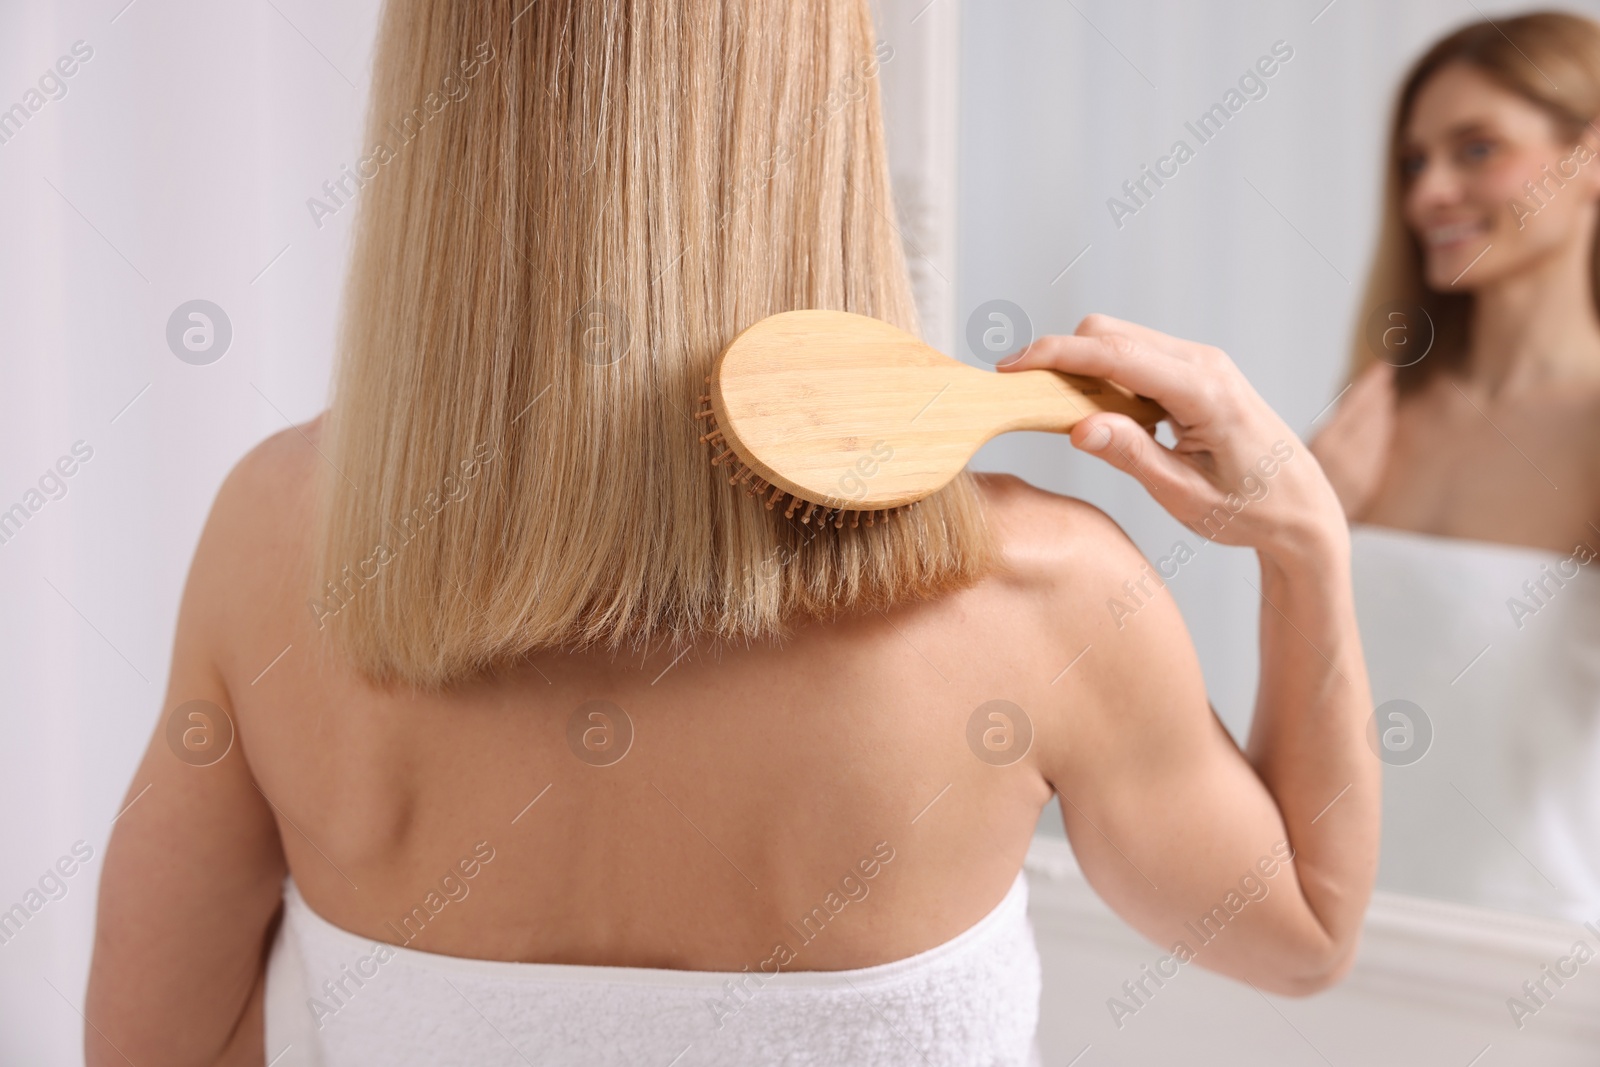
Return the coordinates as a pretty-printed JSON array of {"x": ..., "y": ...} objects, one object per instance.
[{"x": 1097, "y": 438}]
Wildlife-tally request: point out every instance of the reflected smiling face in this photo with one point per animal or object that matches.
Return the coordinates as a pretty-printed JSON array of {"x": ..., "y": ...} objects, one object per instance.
[{"x": 1470, "y": 148}]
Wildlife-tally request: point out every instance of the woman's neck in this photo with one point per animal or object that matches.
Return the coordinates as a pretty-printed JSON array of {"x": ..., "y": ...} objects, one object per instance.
[{"x": 1537, "y": 327}]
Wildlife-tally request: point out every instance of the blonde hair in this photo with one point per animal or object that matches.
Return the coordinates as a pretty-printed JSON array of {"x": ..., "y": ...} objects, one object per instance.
[
  {"x": 1549, "y": 58},
  {"x": 544, "y": 271}
]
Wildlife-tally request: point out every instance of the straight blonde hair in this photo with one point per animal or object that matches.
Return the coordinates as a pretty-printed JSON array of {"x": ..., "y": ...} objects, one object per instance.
[
  {"x": 1550, "y": 58},
  {"x": 571, "y": 207}
]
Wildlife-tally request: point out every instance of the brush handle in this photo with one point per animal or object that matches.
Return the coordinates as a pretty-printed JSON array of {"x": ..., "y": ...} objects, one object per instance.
[{"x": 1055, "y": 402}]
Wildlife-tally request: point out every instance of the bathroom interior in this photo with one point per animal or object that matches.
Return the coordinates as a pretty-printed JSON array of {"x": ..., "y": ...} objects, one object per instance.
[{"x": 1034, "y": 158}]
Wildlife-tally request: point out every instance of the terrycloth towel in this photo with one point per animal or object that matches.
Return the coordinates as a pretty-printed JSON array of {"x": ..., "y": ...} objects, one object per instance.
[
  {"x": 972, "y": 1001},
  {"x": 1499, "y": 645}
]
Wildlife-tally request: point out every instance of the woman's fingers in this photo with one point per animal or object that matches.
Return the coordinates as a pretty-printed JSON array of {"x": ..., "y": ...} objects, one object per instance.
[
  {"x": 1178, "y": 386},
  {"x": 1127, "y": 446},
  {"x": 1229, "y": 444},
  {"x": 1098, "y": 325}
]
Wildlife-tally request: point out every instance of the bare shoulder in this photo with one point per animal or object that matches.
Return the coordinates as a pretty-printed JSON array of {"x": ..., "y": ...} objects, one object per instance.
[
  {"x": 280, "y": 464},
  {"x": 1075, "y": 582},
  {"x": 253, "y": 550},
  {"x": 267, "y": 492},
  {"x": 1049, "y": 541}
]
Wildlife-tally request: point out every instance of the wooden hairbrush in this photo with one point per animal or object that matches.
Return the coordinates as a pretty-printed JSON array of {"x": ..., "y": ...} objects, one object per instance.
[{"x": 845, "y": 414}]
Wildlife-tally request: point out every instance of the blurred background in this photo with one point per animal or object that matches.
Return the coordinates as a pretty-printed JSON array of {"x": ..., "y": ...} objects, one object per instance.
[
  {"x": 178, "y": 161},
  {"x": 1260, "y": 245}
]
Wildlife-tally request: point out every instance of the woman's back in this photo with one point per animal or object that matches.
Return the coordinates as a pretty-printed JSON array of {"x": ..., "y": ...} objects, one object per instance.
[{"x": 662, "y": 810}]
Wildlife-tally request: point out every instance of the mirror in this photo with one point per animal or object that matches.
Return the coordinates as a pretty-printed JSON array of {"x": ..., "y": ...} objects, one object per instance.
[{"x": 1222, "y": 179}]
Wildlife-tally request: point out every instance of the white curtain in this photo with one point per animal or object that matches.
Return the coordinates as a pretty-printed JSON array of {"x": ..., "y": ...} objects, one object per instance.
[{"x": 175, "y": 167}]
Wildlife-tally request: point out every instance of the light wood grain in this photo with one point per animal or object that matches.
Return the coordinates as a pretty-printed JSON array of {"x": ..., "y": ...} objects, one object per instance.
[{"x": 850, "y": 412}]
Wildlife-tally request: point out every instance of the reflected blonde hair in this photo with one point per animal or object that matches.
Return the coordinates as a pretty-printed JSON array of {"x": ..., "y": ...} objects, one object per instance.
[
  {"x": 1551, "y": 59},
  {"x": 541, "y": 280}
]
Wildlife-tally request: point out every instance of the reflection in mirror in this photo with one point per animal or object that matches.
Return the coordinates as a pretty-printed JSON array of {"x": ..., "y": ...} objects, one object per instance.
[
  {"x": 1387, "y": 217},
  {"x": 1466, "y": 451}
]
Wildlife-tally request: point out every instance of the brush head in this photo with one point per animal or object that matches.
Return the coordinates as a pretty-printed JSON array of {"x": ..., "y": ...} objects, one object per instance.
[{"x": 844, "y": 413}]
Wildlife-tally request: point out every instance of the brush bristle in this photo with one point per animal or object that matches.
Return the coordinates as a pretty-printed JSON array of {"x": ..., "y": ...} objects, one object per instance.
[{"x": 824, "y": 514}]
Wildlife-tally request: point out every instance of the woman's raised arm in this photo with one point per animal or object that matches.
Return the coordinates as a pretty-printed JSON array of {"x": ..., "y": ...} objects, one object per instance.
[{"x": 1259, "y": 863}]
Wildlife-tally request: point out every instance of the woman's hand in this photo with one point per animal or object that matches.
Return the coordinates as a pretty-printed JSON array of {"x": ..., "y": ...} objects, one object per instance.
[
  {"x": 1236, "y": 473},
  {"x": 1353, "y": 447}
]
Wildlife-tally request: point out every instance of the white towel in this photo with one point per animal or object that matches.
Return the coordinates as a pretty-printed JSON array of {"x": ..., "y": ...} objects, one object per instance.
[
  {"x": 1500, "y": 647},
  {"x": 972, "y": 1001}
]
